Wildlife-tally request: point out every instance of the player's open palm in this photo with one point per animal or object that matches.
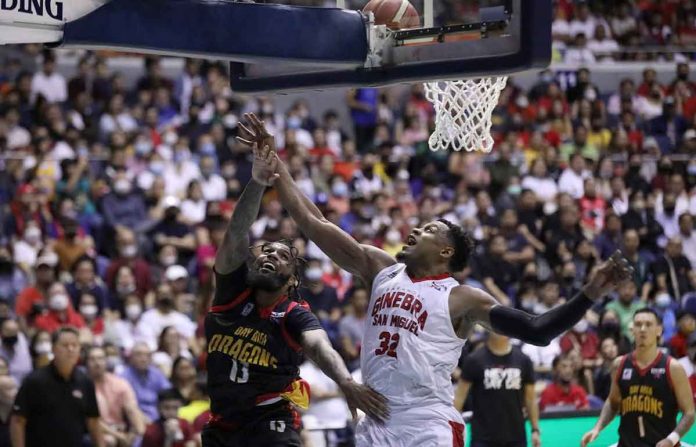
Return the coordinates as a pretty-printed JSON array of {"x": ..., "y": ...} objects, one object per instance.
[
  {"x": 368, "y": 400},
  {"x": 589, "y": 437}
]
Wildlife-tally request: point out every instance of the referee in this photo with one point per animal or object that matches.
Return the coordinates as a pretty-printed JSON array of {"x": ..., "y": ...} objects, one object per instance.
[{"x": 55, "y": 403}]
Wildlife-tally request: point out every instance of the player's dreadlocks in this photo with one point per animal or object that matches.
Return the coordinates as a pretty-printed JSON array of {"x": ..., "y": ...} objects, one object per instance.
[{"x": 463, "y": 246}]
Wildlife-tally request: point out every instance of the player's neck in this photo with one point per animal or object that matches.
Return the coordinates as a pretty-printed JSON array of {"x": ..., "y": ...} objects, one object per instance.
[
  {"x": 426, "y": 271},
  {"x": 646, "y": 355},
  {"x": 265, "y": 299},
  {"x": 499, "y": 349}
]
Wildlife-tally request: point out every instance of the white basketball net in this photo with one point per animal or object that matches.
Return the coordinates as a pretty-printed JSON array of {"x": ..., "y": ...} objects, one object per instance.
[{"x": 463, "y": 113}]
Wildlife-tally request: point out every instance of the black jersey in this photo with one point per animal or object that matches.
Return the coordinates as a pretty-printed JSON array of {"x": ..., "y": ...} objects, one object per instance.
[
  {"x": 253, "y": 353},
  {"x": 648, "y": 404}
]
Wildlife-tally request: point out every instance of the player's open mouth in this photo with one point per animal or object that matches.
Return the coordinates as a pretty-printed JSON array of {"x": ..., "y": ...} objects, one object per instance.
[
  {"x": 268, "y": 266},
  {"x": 410, "y": 240}
]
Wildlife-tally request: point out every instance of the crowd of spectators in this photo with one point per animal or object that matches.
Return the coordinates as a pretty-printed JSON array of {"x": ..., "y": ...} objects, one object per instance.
[{"x": 114, "y": 197}]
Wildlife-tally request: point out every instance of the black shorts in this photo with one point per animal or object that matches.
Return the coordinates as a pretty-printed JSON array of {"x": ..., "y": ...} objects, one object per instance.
[{"x": 280, "y": 427}]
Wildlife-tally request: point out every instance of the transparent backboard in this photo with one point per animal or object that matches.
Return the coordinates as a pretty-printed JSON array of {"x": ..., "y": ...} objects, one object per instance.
[{"x": 458, "y": 39}]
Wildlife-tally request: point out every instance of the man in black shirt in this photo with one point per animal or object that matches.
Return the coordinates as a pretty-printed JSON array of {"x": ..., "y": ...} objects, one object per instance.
[
  {"x": 500, "y": 379},
  {"x": 256, "y": 336},
  {"x": 56, "y": 403}
]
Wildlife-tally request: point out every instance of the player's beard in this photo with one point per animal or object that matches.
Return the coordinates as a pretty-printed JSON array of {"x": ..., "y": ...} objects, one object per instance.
[{"x": 268, "y": 282}]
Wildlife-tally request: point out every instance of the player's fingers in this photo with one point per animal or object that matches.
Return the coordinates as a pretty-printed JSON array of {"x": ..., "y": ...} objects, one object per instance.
[
  {"x": 245, "y": 130},
  {"x": 245, "y": 141}
]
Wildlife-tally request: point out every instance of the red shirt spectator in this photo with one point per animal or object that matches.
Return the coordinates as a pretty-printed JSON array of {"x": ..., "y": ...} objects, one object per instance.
[
  {"x": 557, "y": 394},
  {"x": 692, "y": 382},
  {"x": 563, "y": 391},
  {"x": 586, "y": 342},
  {"x": 155, "y": 437}
]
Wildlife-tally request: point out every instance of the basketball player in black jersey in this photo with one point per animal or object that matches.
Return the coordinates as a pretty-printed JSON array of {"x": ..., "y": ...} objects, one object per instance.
[
  {"x": 648, "y": 389},
  {"x": 256, "y": 337}
]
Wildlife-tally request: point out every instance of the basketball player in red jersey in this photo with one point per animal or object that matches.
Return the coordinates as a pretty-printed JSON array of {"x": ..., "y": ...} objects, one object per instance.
[
  {"x": 648, "y": 389},
  {"x": 419, "y": 315}
]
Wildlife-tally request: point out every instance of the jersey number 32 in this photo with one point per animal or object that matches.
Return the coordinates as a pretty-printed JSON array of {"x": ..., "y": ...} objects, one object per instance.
[{"x": 387, "y": 344}]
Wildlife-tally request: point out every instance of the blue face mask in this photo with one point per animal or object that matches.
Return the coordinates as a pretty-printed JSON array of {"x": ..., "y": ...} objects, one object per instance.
[
  {"x": 207, "y": 149},
  {"x": 181, "y": 156},
  {"x": 294, "y": 122},
  {"x": 143, "y": 147},
  {"x": 157, "y": 167}
]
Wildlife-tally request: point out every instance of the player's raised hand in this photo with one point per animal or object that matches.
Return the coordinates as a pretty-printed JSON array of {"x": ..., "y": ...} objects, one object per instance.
[
  {"x": 589, "y": 437},
  {"x": 264, "y": 169},
  {"x": 608, "y": 276},
  {"x": 368, "y": 400}
]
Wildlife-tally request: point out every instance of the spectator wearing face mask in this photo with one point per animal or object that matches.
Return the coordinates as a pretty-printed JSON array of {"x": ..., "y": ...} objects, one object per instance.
[
  {"x": 322, "y": 299},
  {"x": 12, "y": 278},
  {"x": 60, "y": 311},
  {"x": 581, "y": 338},
  {"x": 608, "y": 351},
  {"x": 26, "y": 250},
  {"x": 41, "y": 349},
  {"x": 665, "y": 309},
  {"x": 610, "y": 326},
  {"x": 164, "y": 314},
  {"x": 124, "y": 206},
  {"x": 128, "y": 256},
  {"x": 89, "y": 310},
  {"x": 70, "y": 247},
  {"x": 15, "y": 350},
  {"x": 212, "y": 184},
  {"x": 85, "y": 280},
  {"x": 124, "y": 332}
]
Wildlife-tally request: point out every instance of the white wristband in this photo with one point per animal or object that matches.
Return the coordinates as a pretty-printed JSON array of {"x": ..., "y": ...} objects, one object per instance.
[{"x": 674, "y": 438}]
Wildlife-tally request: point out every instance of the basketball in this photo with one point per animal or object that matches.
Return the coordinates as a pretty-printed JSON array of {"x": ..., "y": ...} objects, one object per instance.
[{"x": 396, "y": 14}]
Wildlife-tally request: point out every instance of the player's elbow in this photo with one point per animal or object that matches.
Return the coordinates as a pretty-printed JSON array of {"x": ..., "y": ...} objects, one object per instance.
[{"x": 538, "y": 340}]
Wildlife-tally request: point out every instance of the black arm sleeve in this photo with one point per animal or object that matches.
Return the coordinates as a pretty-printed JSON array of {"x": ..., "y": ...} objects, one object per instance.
[
  {"x": 541, "y": 329},
  {"x": 229, "y": 286}
]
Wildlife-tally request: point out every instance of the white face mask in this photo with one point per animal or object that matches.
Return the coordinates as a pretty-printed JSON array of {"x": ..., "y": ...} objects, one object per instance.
[
  {"x": 58, "y": 302},
  {"x": 43, "y": 347},
  {"x": 313, "y": 273},
  {"x": 129, "y": 251},
  {"x": 89, "y": 310},
  {"x": 393, "y": 237},
  {"x": 580, "y": 327},
  {"x": 32, "y": 235},
  {"x": 168, "y": 260},
  {"x": 122, "y": 186},
  {"x": 663, "y": 300},
  {"x": 133, "y": 311}
]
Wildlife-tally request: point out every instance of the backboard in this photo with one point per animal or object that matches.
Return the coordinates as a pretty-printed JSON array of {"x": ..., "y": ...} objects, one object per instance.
[{"x": 459, "y": 39}]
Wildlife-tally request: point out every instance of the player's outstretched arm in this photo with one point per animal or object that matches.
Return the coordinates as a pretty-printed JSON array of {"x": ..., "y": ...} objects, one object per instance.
[
  {"x": 317, "y": 347},
  {"x": 478, "y": 306},
  {"x": 610, "y": 408},
  {"x": 682, "y": 391},
  {"x": 235, "y": 245},
  {"x": 362, "y": 260}
]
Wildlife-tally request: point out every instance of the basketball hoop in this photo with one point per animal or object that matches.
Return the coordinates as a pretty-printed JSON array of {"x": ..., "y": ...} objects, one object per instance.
[{"x": 463, "y": 112}]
